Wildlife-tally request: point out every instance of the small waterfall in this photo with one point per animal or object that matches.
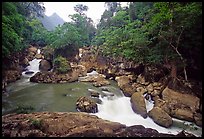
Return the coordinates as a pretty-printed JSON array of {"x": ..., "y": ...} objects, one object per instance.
[
  {"x": 24, "y": 82},
  {"x": 118, "y": 109}
]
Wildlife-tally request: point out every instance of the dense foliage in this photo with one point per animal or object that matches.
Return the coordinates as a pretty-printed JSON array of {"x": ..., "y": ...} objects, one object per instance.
[
  {"x": 61, "y": 65},
  {"x": 167, "y": 33},
  {"x": 16, "y": 24},
  {"x": 151, "y": 33}
]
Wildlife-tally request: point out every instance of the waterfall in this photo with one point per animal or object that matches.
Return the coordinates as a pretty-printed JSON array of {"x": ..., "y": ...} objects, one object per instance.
[
  {"x": 24, "y": 82},
  {"x": 118, "y": 108}
]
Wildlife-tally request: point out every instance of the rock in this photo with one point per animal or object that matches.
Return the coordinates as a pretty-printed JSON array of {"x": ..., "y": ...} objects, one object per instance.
[
  {"x": 125, "y": 85},
  {"x": 154, "y": 73},
  {"x": 155, "y": 93},
  {"x": 128, "y": 90},
  {"x": 25, "y": 62},
  {"x": 162, "y": 104},
  {"x": 39, "y": 56},
  {"x": 160, "y": 117},
  {"x": 105, "y": 88},
  {"x": 82, "y": 70},
  {"x": 85, "y": 104},
  {"x": 106, "y": 93},
  {"x": 141, "y": 80},
  {"x": 183, "y": 114},
  {"x": 122, "y": 80},
  {"x": 32, "y": 49},
  {"x": 138, "y": 104},
  {"x": 44, "y": 65},
  {"x": 101, "y": 83},
  {"x": 70, "y": 124},
  {"x": 198, "y": 119},
  {"x": 150, "y": 88},
  {"x": 141, "y": 90},
  {"x": 179, "y": 100},
  {"x": 94, "y": 93},
  {"x": 12, "y": 75}
]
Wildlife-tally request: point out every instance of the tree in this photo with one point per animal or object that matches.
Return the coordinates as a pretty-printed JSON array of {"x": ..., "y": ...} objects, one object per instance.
[
  {"x": 170, "y": 21},
  {"x": 80, "y": 8}
]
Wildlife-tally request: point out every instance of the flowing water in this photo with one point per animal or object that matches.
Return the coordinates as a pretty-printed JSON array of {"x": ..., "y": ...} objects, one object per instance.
[{"x": 62, "y": 98}]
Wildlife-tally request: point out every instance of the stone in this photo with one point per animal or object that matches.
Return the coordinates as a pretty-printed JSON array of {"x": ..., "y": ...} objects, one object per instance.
[
  {"x": 128, "y": 90},
  {"x": 141, "y": 90},
  {"x": 44, "y": 65},
  {"x": 141, "y": 79},
  {"x": 181, "y": 100},
  {"x": 39, "y": 56},
  {"x": 198, "y": 119},
  {"x": 71, "y": 124},
  {"x": 101, "y": 83},
  {"x": 85, "y": 104},
  {"x": 150, "y": 88},
  {"x": 160, "y": 117},
  {"x": 183, "y": 114},
  {"x": 32, "y": 49},
  {"x": 138, "y": 104},
  {"x": 122, "y": 80}
]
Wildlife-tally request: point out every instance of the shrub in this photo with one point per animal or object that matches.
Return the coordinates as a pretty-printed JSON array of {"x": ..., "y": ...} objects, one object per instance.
[
  {"x": 61, "y": 65},
  {"x": 36, "y": 123},
  {"x": 24, "y": 109}
]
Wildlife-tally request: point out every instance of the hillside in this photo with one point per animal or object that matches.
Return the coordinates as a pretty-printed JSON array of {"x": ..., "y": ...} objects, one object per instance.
[{"x": 50, "y": 22}]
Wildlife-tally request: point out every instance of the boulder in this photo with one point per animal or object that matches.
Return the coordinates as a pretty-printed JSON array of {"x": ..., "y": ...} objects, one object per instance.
[
  {"x": 183, "y": 114},
  {"x": 39, "y": 56},
  {"x": 138, "y": 104},
  {"x": 180, "y": 100},
  {"x": 160, "y": 117},
  {"x": 128, "y": 90},
  {"x": 198, "y": 119},
  {"x": 141, "y": 80},
  {"x": 162, "y": 104},
  {"x": 85, "y": 104},
  {"x": 101, "y": 83},
  {"x": 122, "y": 80},
  {"x": 32, "y": 49},
  {"x": 25, "y": 62},
  {"x": 12, "y": 75},
  {"x": 70, "y": 124},
  {"x": 150, "y": 88},
  {"x": 44, "y": 65}
]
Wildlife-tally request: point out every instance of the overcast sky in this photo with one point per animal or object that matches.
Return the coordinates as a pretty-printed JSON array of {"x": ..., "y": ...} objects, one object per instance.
[{"x": 63, "y": 9}]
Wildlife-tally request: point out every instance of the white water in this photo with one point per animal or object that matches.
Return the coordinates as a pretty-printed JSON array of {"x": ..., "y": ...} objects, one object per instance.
[
  {"x": 34, "y": 66},
  {"x": 118, "y": 109},
  {"x": 25, "y": 78}
]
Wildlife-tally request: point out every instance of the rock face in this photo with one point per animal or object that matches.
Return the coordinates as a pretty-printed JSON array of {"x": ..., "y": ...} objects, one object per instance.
[
  {"x": 138, "y": 104},
  {"x": 44, "y": 65},
  {"x": 85, "y": 104},
  {"x": 160, "y": 117},
  {"x": 125, "y": 85},
  {"x": 53, "y": 77},
  {"x": 70, "y": 124},
  {"x": 12, "y": 75},
  {"x": 97, "y": 79},
  {"x": 182, "y": 106}
]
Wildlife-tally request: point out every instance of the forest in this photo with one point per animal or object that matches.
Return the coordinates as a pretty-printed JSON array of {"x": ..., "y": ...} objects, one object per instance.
[
  {"x": 140, "y": 66},
  {"x": 167, "y": 33}
]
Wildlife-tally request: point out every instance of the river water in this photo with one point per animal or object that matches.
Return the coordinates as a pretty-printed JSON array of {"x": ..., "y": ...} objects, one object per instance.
[{"x": 62, "y": 98}]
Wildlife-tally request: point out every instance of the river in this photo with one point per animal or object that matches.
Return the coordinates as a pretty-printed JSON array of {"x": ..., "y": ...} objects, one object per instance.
[{"x": 62, "y": 98}]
